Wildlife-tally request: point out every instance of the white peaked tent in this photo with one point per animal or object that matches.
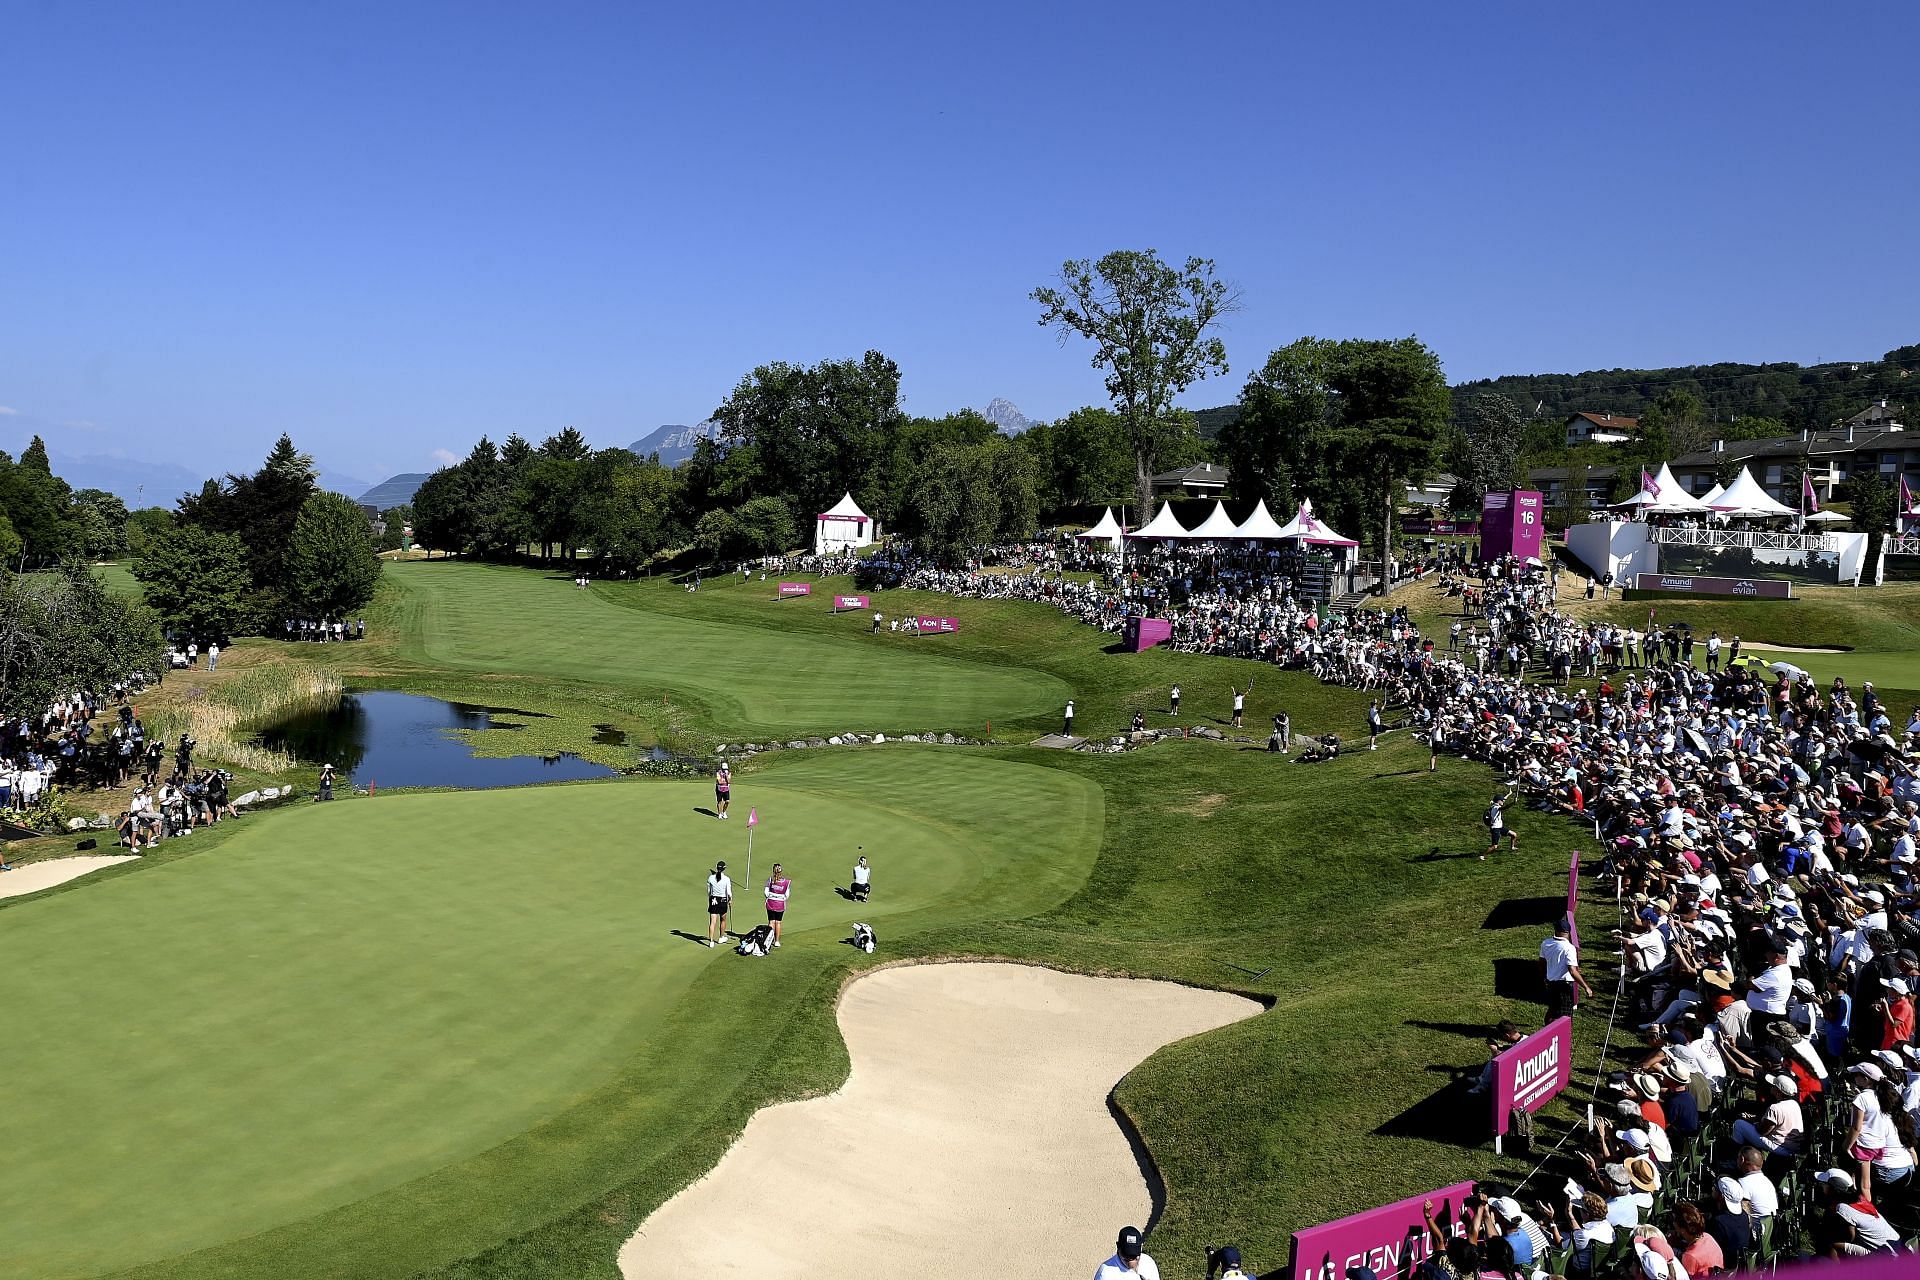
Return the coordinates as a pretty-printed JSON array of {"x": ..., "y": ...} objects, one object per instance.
[
  {"x": 1108, "y": 530},
  {"x": 1217, "y": 525},
  {"x": 1163, "y": 525},
  {"x": 1745, "y": 497},
  {"x": 1665, "y": 495},
  {"x": 843, "y": 528},
  {"x": 1260, "y": 524},
  {"x": 1311, "y": 529},
  {"x": 1712, "y": 495}
]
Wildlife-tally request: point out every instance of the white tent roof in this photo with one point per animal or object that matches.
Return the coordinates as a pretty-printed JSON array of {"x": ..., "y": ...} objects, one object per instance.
[
  {"x": 846, "y": 509},
  {"x": 1162, "y": 525},
  {"x": 1710, "y": 495},
  {"x": 1309, "y": 528},
  {"x": 1745, "y": 497},
  {"x": 1260, "y": 524},
  {"x": 1218, "y": 524},
  {"x": 1107, "y": 528},
  {"x": 1664, "y": 494}
]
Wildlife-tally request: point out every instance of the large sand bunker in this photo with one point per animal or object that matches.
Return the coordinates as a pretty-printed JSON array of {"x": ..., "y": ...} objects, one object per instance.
[
  {"x": 32, "y": 877},
  {"x": 975, "y": 1116}
]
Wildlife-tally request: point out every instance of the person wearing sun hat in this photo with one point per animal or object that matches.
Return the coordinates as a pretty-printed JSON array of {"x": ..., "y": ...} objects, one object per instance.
[
  {"x": 1852, "y": 1226},
  {"x": 1894, "y": 1012},
  {"x": 1730, "y": 1223},
  {"x": 1781, "y": 1124}
]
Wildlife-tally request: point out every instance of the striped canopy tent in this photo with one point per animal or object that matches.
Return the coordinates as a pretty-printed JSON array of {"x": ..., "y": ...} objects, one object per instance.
[
  {"x": 1745, "y": 497},
  {"x": 1163, "y": 525},
  {"x": 1260, "y": 524},
  {"x": 1217, "y": 526},
  {"x": 1107, "y": 530}
]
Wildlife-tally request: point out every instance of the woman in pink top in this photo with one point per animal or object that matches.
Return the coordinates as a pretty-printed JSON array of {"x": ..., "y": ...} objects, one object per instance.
[{"x": 778, "y": 887}]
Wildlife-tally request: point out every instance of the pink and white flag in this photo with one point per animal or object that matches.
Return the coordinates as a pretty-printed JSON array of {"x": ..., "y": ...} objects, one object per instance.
[
  {"x": 1648, "y": 485},
  {"x": 753, "y": 817},
  {"x": 1809, "y": 500}
]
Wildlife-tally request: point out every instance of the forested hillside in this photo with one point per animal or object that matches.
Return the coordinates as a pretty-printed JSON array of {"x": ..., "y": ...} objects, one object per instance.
[{"x": 1816, "y": 395}]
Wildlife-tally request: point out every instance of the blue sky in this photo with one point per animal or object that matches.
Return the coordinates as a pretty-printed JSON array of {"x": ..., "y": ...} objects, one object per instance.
[{"x": 387, "y": 228}]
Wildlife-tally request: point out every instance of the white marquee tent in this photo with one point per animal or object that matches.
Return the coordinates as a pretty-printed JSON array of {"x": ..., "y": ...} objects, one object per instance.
[
  {"x": 1665, "y": 496},
  {"x": 1163, "y": 525},
  {"x": 1107, "y": 530},
  {"x": 1217, "y": 525},
  {"x": 1311, "y": 529},
  {"x": 843, "y": 528},
  {"x": 1745, "y": 497},
  {"x": 1260, "y": 524}
]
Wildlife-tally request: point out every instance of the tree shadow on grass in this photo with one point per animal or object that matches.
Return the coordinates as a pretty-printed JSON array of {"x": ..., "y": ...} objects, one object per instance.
[
  {"x": 1518, "y": 979},
  {"x": 1447, "y": 1116},
  {"x": 690, "y": 937},
  {"x": 1472, "y": 1030},
  {"x": 1517, "y": 913},
  {"x": 1436, "y": 854}
]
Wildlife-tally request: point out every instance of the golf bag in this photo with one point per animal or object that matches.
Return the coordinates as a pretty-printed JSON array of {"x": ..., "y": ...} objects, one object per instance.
[
  {"x": 863, "y": 937},
  {"x": 757, "y": 942}
]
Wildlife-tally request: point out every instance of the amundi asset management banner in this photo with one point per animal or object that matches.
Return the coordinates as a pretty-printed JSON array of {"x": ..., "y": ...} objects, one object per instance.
[{"x": 1528, "y": 1075}]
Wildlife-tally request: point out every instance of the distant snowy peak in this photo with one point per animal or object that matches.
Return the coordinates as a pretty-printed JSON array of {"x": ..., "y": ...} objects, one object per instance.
[
  {"x": 1006, "y": 415},
  {"x": 674, "y": 443}
]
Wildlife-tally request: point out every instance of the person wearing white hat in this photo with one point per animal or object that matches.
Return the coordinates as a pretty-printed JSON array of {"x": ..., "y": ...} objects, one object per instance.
[
  {"x": 1732, "y": 1225},
  {"x": 1852, "y": 1227}
]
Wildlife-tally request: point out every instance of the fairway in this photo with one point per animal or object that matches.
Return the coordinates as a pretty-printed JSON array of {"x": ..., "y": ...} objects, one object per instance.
[
  {"x": 344, "y": 1001},
  {"x": 752, "y": 679}
]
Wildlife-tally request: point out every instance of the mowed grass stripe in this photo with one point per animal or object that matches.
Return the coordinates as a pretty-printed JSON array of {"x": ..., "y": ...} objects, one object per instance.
[
  {"x": 388, "y": 1033},
  {"x": 749, "y": 680}
]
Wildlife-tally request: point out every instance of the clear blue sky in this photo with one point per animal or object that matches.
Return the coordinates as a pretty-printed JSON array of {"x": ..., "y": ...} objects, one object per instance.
[{"x": 389, "y": 227}]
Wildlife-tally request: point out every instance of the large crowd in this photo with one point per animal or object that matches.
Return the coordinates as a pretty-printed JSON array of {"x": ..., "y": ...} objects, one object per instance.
[{"x": 1764, "y": 829}]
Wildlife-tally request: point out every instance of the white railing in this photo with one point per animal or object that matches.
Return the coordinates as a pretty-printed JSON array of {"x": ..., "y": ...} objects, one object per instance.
[
  {"x": 1753, "y": 539},
  {"x": 1904, "y": 545}
]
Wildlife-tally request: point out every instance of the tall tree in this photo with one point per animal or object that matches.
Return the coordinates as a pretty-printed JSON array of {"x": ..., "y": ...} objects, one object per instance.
[
  {"x": 1151, "y": 325},
  {"x": 1489, "y": 446},
  {"x": 816, "y": 431},
  {"x": 62, "y": 631},
  {"x": 1392, "y": 415},
  {"x": 197, "y": 580},
  {"x": 1277, "y": 446},
  {"x": 332, "y": 566}
]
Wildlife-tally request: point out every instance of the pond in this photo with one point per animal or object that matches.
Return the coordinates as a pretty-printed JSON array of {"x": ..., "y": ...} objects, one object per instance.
[{"x": 389, "y": 739}]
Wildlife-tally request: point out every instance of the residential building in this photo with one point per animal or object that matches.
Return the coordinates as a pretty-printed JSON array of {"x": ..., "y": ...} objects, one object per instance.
[
  {"x": 1874, "y": 441},
  {"x": 1202, "y": 480},
  {"x": 1601, "y": 428},
  {"x": 1596, "y": 484},
  {"x": 1434, "y": 493}
]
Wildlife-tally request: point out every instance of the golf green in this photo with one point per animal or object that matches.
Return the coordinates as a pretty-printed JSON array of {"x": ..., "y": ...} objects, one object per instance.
[
  {"x": 753, "y": 679},
  {"x": 389, "y": 1033}
]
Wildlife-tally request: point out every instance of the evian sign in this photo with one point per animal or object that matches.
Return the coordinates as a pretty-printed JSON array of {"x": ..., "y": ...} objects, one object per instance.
[
  {"x": 1528, "y": 1075},
  {"x": 1694, "y": 584}
]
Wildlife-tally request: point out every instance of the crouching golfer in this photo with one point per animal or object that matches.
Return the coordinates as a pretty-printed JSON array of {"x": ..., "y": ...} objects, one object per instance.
[
  {"x": 778, "y": 887},
  {"x": 719, "y": 902},
  {"x": 862, "y": 880}
]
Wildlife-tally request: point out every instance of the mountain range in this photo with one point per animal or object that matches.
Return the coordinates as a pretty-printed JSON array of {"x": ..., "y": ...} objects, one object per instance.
[
  {"x": 1006, "y": 415},
  {"x": 394, "y": 491},
  {"x": 674, "y": 443},
  {"x": 139, "y": 482}
]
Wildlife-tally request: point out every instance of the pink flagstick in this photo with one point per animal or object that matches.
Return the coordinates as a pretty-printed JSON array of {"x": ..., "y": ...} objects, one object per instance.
[{"x": 753, "y": 820}]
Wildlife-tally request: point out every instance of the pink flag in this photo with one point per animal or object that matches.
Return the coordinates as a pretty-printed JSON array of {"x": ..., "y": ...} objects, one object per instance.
[
  {"x": 1647, "y": 484},
  {"x": 753, "y": 817},
  {"x": 1906, "y": 495},
  {"x": 1809, "y": 500}
]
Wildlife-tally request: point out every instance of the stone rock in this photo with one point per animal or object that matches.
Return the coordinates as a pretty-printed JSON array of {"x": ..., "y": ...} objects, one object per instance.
[
  {"x": 722, "y": 749},
  {"x": 910, "y": 737},
  {"x": 946, "y": 739},
  {"x": 816, "y": 742},
  {"x": 1117, "y": 742},
  {"x": 76, "y": 824},
  {"x": 835, "y": 741},
  {"x": 879, "y": 737},
  {"x": 251, "y": 797},
  {"x": 796, "y": 745}
]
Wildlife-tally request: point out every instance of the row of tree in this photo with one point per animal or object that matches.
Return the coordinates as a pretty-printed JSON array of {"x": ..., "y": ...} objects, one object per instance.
[{"x": 45, "y": 521}]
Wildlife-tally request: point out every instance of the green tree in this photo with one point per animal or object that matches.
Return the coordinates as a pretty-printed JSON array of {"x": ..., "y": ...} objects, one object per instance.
[
  {"x": 1151, "y": 325},
  {"x": 1277, "y": 446},
  {"x": 815, "y": 431},
  {"x": 758, "y": 527},
  {"x": 102, "y": 519},
  {"x": 10, "y": 544},
  {"x": 1676, "y": 423},
  {"x": 146, "y": 526},
  {"x": 61, "y": 631},
  {"x": 1082, "y": 460},
  {"x": 197, "y": 580},
  {"x": 38, "y": 504},
  {"x": 627, "y": 512},
  {"x": 332, "y": 566},
  {"x": 1489, "y": 447}
]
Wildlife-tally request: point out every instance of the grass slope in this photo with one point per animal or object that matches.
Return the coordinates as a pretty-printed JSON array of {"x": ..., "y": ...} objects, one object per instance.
[{"x": 327, "y": 1027}]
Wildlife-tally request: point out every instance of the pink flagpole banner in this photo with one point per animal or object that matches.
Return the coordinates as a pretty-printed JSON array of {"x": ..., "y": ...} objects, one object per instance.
[
  {"x": 796, "y": 589},
  {"x": 1573, "y": 900},
  {"x": 1392, "y": 1239},
  {"x": 941, "y": 626},
  {"x": 753, "y": 817},
  {"x": 851, "y": 602},
  {"x": 1530, "y": 1074}
]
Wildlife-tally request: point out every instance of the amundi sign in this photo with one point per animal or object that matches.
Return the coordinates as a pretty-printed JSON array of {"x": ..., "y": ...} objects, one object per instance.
[{"x": 1529, "y": 1074}]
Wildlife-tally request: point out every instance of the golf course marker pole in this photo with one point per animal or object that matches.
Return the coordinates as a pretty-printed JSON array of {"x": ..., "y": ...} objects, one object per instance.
[{"x": 753, "y": 820}]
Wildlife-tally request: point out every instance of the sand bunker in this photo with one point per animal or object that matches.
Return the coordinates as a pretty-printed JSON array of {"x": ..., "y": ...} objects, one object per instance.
[
  {"x": 1790, "y": 648},
  {"x": 975, "y": 1116},
  {"x": 35, "y": 876}
]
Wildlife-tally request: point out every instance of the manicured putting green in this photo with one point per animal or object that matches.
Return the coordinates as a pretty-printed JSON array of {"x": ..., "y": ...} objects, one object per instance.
[
  {"x": 339, "y": 1001},
  {"x": 760, "y": 678}
]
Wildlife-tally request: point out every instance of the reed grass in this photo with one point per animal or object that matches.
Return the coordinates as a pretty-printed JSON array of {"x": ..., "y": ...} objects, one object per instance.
[{"x": 224, "y": 717}]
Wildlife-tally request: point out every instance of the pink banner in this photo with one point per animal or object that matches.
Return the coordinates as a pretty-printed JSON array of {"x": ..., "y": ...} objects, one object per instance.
[
  {"x": 944, "y": 626},
  {"x": 851, "y": 602},
  {"x": 1573, "y": 900},
  {"x": 1144, "y": 633},
  {"x": 796, "y": 589},
  {"x": 1528, "y": 1075},
  {"x": 1392, "y": 1239}
]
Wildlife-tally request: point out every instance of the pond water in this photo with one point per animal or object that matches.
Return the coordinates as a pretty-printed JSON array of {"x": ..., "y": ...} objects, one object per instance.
[{"x": 390, "y": 739}]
